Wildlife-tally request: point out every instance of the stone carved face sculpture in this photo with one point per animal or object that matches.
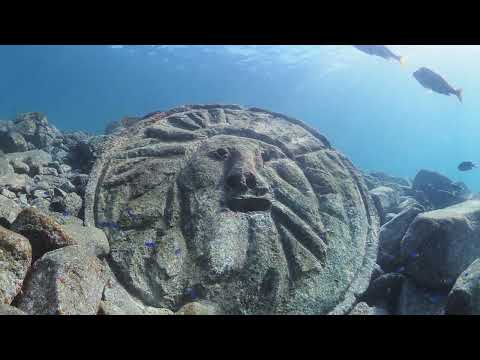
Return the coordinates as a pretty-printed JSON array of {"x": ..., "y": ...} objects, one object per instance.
[{"x": 246, "y": 209}]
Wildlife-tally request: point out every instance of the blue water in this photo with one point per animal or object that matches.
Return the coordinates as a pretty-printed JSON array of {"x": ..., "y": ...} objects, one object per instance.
[{"x": 372, "y": 110}]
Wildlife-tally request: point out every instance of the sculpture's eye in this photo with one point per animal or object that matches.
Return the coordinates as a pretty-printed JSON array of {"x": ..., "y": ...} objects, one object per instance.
[
  {"x": 270, "y": 154},
  {"x": 222, "y": 154}
]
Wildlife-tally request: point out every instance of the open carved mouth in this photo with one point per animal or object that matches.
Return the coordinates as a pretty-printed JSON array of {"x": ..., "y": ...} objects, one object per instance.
[{"x": 247, "y": 204}]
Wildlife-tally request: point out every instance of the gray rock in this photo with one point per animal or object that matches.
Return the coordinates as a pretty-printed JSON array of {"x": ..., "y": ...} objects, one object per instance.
[
  {"x": 8, "y": 194},
  {"x": 12, "y": 141},
  {"x": 68, "y": 187},
  {"x": 199, "y": 308},
  {"x": 31, "y": 158},
  {"x": 35, "y": 128},
  {"x": 464, "y": 298},
  {"x": 43, "y": 232},
  {"x": 286, "y": 226},
  {"x": 66, "y": 281},
  {"x": 5, "y": 167},
  {"x": 439, "y": 245},
  {"x": 389, "y": 217},
  {"x": 48, "y": 171},
  {"x": 386, "y": 200},
  {"x": 117, "y": 301},
  {"x": 363, "y": 309},
  {"x": 10, "y": 310},
  {"x": 20, "y": 167},
  {"x": 9, "y": 209},
  {"x": 41, "y": 204},
  {"x": 384, "y": 291},
  {"x": 15, "y": 259},
  {"x": 391, "y": 235},
  {"x": 92, "y": 239},
  {"x": 415, "y": 300},
  {"x": 70, "y": 203},
  {"x": 438, "y": 189},
  {"x": 15, "y": 182}
]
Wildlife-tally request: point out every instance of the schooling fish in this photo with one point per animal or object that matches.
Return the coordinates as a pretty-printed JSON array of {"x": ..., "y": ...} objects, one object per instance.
[
  {"x": 466, "y": 166},
  {"x": 431, "y": 80},
  {"x": 380, "y": 50}
]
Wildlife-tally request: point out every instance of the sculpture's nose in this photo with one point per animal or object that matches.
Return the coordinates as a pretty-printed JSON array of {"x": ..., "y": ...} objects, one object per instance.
[
  {"x": 242, "y": 175},
  {"x": 240, "y": 179}
]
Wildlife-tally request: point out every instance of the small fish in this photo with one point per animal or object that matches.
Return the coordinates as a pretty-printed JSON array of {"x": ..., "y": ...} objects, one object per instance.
[
  {"x": 414, "y": 254},
  {"x": 66, "y": 213},
  {"x": 150, "y": 244},
  {"x": 380, "y": 50},
  {"x": 192, "y": 293},
  {"x": 400, "y": 269},
  {"x": 466, "y": 274},
  {"x": 466, "y": 166},
  {"x": 178, "y": 252},
  {"x": 431, "y": 80}
]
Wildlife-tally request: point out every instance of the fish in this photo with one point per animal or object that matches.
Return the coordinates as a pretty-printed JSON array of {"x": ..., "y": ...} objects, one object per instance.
[
  {"x": 380, "y": 50},
  {"x": 178, "y": 252},
  {"x": 466, "y": 166},
  {"x": 431, "y": 80},
  {"x": 150, "y": 244}
]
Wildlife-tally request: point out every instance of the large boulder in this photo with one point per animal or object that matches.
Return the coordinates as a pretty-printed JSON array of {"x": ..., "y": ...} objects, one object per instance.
[
  {"x": 10, "y": 310},
  {"x": 66, "y": 281},
  {"x": 391, "y": 235},
  {"x": 439, "y": 245},
  {"x": 464, "y": 298},
  {"x": 417, "y": 300},
  {"x": 386, "y": 200},
  {"x": 12, "y": 141},
  {"x": 92, "y": 239},
  {"x": 9, "y": 209},
  {"x": 363, "y": 309},
  {"x": 248, "y": 209},
  {"x": 35, "y": 129},
  {"x": 44, "y": 233},
  {"x": 438, "y": 189},
  {"x": 384, "y": 291},
  {"x": 15, "y": 259}
]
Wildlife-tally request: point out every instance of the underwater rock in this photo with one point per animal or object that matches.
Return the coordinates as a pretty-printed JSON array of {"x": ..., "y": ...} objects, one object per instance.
[
  {"x": 12, "y": 141},
  {"x": 9, "y": 209},
  {"x": 15, "y": 259},
  {"x": 43, "y": 232},
  {"x": 20, "y": 167},
  {"x": 438, "y": 189},
  {"x": 464, "y": 298},
  {"x": 66, "y": 281},
  {"x": 253, "y": 211},
  {"x": 35, "y": 129},
  {"x": 15, "y": 182},
  {"x": 439, "y": 245},
  {"x": 117, "y": 301},
  {"x": 386, "y": 199},
  {"x": 70, "y": 203},
  {"x": 415, "y": 300},
  {"x": 384, "y": 291},
  {"x": 391, "y": 235},
  {"x": 10, "y": 310},
  {"x": 199, "y": 308},
  {"x": 363, "y": 309},
  {"x": 90, "y": 238}
]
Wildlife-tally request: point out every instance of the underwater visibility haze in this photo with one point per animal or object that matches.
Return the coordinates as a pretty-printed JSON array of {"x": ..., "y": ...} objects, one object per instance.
[
  {"x": 209, "y": 180},
  {"x": 371, "y": 109}
]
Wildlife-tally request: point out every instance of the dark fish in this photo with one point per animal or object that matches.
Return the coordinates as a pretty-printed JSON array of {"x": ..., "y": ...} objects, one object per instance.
[
  {"x": 380, "y": 50},
  {"x": 178, "y": 252},
  {"x": 150, "y": 244},
  {"x": 431, "y": 80},
  {"x": 466, "y": 166}
]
